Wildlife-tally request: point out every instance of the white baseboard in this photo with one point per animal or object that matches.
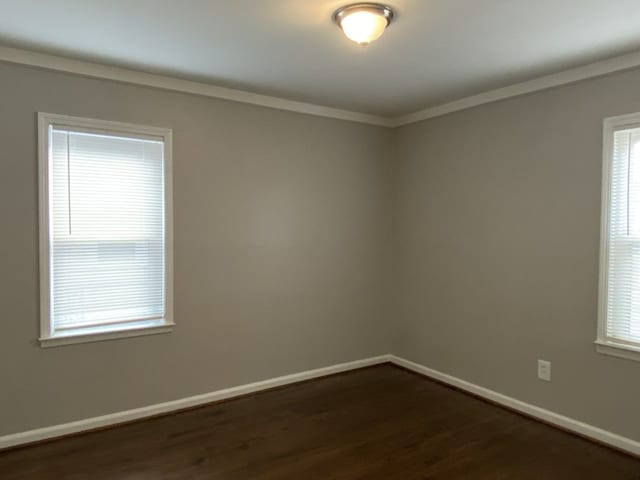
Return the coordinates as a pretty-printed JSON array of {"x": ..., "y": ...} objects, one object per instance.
[
  {"x": 561, "y": 421},
  {"x": 567, "y": 423},
  {"x": 31, "y": 436}
]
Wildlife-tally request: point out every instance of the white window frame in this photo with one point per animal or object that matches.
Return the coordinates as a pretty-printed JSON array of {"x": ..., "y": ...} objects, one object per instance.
[
  {"x": 604, "y": 344},
  {"x": 48, "y": 337}
]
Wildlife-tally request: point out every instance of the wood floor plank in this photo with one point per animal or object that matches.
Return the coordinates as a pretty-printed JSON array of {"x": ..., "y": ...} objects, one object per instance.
[{"x": 376, "y": 423}]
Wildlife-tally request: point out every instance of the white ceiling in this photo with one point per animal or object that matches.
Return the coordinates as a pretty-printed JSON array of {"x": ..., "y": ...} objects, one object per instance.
[{"x": 436, "y": 51}]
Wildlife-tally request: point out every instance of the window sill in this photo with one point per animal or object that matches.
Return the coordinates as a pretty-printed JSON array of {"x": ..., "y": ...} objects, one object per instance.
[
  {"x": 619, "y": 350},
  {"x": 104, "y": 333}
]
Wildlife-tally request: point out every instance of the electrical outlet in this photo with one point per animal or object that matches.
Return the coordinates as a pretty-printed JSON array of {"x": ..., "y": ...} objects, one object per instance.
[{"x": 544, "y": 370}]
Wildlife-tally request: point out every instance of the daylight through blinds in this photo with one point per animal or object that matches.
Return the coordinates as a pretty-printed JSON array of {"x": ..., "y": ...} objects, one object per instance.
[{"x": 106, "y": 229}]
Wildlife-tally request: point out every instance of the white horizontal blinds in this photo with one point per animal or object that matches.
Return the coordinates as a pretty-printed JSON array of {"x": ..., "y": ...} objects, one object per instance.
[
  {"x": 107, "y": 229},
  {"x": 623, "y": 307}
]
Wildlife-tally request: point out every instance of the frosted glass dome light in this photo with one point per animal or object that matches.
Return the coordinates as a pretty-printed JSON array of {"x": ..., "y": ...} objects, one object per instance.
[{"x": 363, "y": 22}]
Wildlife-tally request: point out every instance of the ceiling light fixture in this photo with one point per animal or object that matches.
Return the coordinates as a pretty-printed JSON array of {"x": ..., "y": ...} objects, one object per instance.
[{"x": 363, "y": 22}]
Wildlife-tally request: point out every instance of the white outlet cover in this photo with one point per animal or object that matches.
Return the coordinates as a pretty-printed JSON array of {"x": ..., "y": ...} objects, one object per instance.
[{"x": 544, "y": 370}]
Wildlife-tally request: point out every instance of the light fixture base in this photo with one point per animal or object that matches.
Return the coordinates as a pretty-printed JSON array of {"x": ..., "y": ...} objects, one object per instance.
[{"x": 378, "y": 8}]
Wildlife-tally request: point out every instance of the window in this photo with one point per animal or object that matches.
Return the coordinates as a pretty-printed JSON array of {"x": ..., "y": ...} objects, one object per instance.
[
  {"x": 619, "y": 303},
  {"x": 105, "y": 230}
]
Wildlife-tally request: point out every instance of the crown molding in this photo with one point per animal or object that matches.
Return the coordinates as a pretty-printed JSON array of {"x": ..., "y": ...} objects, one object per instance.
[
  {"x": 592, "y": 70},
  {"x": 125, "y": 75}
]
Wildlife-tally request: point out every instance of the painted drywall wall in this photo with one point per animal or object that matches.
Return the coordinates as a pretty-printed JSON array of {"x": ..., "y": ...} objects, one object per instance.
[
  {"x": 497, "y": 223},
  {"x": 281, "y": 225}
]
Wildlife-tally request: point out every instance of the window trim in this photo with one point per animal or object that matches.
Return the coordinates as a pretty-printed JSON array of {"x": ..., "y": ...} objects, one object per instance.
[
  {"x": 49, "y": 338},
  {"x": 605, "y": 344}
]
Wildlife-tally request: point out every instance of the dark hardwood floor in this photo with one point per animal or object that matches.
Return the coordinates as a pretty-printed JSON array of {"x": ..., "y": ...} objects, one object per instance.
[{"x": 376, "y": 423}]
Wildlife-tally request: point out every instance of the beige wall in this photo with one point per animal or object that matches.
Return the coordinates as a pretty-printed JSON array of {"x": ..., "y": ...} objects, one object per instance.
[
  {"x": 497, "y": 229},
  {"x": 281, "y": 235}
]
